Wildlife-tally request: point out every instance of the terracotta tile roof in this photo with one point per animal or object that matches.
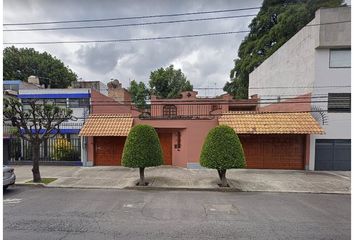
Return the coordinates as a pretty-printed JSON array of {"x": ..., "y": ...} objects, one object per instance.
[
  {"x": 271, "y": 123},
  {"x": 107, "y": 125}
]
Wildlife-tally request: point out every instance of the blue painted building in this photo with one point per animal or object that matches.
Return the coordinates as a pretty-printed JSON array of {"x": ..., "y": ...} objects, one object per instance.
[
  {"x": 17, "y": 85},
  {"x": 78, "y": 99}
]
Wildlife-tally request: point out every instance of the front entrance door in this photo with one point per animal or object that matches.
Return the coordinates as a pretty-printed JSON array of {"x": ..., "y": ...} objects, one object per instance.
[
  {"x": 108, "y": 151},
  {"x": 166, "y": 145}
]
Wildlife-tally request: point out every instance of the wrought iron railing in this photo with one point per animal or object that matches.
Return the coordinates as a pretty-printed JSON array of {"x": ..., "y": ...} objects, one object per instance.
[
  {"x": 54, "y": 149},
  {"x": 201, "y": 108},
  {"x": 179, "y": 111},
  {"x": 8, "y": 130}
]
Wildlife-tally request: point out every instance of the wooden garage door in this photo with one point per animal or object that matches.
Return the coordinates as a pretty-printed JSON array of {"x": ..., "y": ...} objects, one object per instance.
[
  {"x": 274, "y": 151},
  {"x": 108, "y": 150},
  {"x": 166, "y": 145}
]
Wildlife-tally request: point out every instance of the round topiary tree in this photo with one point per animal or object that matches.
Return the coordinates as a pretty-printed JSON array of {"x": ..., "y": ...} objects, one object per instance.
[
  {"x": 142, "y": 149},
  {"x": 222, "y": 150}
]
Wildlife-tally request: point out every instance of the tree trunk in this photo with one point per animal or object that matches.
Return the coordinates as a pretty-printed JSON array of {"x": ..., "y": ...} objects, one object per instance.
[
  {"x": 35, "y": 160},
  {"x": 45, "y": 149},
  {"x": 219, "y": 172},
  {"x": 142, "y": 177},
  {"x": 223, "y": 178}
]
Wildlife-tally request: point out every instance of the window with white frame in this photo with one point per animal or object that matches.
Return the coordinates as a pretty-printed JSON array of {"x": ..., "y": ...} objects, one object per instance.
[{"x": 339, "y": 58}]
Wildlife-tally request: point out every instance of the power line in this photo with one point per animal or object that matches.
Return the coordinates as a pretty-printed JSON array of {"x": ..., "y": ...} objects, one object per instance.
[
  {"x": 301, "y": 87},
  {"x": 135, "y": 17},
  {"x": 228, "y": 113},
  {"x": 114, "y": 103},
  {"x": 152, "y": 38},
  {"x": 220, "y": 101},
  {"x": 133, "y": 39},
  {"x": 286, "y": 95},
  {"x": 211, "y": 88},
  {"x": 128, "y": 24},
  {"x": 210, "y": 100}
]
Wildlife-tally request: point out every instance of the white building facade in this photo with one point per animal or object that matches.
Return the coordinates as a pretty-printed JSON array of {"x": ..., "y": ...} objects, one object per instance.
[
  {"x": 315, "y": 61},
  {"x": 77, "y": 99}
]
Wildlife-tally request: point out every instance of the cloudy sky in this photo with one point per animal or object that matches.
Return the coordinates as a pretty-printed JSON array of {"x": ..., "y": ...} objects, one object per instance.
[{"x": 206, "y": 61}]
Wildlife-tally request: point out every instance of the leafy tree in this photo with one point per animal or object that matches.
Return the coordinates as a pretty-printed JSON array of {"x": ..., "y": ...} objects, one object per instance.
[
  {"x": 168, "y": 82},
  {"x": 142, "y": 149},
  {"x": 276, "y": 22},
  {"x": 35, "y": 123},
  {"x": 222, "y": 150},
  {"x": 139, "y": 94},
  {"x": 24, "y": 62}
]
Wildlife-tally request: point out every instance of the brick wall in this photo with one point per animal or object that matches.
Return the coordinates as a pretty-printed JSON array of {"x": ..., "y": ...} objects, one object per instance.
[{"x": 101, "y": 104}]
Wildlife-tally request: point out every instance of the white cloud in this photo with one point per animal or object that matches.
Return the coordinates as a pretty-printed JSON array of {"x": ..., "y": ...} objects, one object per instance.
[{"x": 206, "y": 61}]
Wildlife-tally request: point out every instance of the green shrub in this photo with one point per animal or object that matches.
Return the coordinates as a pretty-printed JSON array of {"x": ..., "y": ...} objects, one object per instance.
[
  {"x": 64, "y": 151},
  {"x": 142, "y": 149},
  {"x": 222, "y": 150},
  {"x": 70, "y": 155}
]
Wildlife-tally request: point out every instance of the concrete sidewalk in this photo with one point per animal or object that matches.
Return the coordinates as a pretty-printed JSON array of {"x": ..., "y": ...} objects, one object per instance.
[{"x": 202, "y": 179}]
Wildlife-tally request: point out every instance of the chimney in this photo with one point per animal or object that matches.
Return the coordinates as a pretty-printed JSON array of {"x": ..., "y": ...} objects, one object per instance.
[
  {"x": 33, "y": 80},
  {"x": 153, "y": 97},
  {"x": 114, "y": 84},
  {"x": 227, "y": 96},
  {"x": 116, "y": 91}
]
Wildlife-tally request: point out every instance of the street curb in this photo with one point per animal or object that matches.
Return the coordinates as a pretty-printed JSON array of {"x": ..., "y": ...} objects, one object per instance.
[
  {"x": 137, "y": 188},
  {"x": 183, "y": 189},
  {"x": 227, "y": 190},
  {"x": 31, "y": 184},
  {"x": 303, "y": 192}
]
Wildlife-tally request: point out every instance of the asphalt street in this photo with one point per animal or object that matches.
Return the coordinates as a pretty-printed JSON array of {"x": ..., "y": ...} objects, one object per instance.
[{"x": 58, "y": 213}]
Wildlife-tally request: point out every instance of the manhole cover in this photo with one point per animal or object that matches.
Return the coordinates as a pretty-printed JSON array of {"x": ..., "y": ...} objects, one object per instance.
[
  {"x": 133, "y": 205},
  {"x": 220, "y": 208}
]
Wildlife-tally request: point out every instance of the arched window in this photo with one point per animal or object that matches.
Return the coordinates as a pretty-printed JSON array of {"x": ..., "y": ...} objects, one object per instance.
[{"x": 169, "y": 111}]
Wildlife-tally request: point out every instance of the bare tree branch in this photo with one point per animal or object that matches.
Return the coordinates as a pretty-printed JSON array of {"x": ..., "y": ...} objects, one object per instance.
[{"x": 38, "y": 118}]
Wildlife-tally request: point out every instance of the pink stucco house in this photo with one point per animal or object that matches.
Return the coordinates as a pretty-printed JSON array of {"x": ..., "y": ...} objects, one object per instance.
[{"x": 270, "y": 140}]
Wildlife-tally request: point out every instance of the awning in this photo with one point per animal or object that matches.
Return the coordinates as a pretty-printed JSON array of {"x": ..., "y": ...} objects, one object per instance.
[
  {"x": 271, "y": 123},
  {"x": 107, "y": 125}
]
